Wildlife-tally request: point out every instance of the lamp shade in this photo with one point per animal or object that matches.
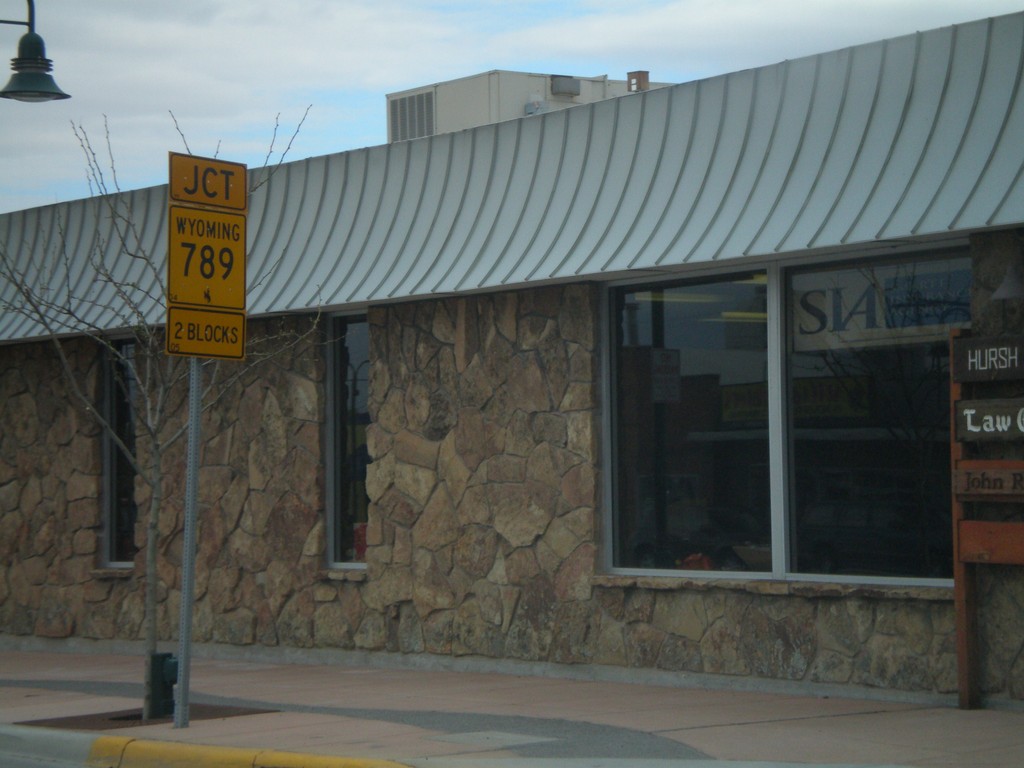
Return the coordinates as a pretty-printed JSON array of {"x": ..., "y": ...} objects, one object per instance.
[{"x": 31, "y": 80}]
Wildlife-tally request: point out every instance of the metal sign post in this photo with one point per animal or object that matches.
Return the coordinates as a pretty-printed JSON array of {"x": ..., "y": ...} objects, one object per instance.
[
  {"x": 188, "y": 554},
  {"x": 205, "y": 318}
]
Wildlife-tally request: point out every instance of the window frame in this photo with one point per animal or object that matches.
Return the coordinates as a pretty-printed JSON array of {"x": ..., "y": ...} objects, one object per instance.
[
  {"x": 704, "y": 279},
  {"x": 112, "y": 398},
  {"x": 335, "y": 435},
  {"x": 779, "y": 444}
]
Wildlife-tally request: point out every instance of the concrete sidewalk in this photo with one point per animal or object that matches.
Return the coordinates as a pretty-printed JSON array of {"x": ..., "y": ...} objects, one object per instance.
[{"x": 479, "y": 714}]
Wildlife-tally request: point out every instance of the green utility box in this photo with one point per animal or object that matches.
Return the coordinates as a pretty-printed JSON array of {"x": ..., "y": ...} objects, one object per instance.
[{"x": 163, "y": 669}]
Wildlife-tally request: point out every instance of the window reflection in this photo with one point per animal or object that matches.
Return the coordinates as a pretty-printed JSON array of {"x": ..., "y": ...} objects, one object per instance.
[
  {"x": 692, "y": 479},
  {"x": 120, "y": 395},
  {"x": 349, "y": 340},
  {"x": 866, "y": 421},
  {"x": 869, "y": 383}
]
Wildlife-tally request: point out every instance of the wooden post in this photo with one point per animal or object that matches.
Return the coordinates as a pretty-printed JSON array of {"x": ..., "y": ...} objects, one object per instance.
[
  {"x": 964, "y": 593},
  {"x": 992, "y": 421}
]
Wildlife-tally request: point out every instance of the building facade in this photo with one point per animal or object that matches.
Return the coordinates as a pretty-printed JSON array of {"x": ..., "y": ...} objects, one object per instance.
[{"x": 658, "y": 382}]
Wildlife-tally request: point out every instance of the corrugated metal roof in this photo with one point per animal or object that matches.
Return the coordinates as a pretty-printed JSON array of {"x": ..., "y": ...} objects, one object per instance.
[{"x": 912, "y": 137}]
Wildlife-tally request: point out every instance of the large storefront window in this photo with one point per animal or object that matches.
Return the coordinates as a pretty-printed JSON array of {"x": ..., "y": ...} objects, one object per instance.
[
  {"x": 348, "y": 363},
  {"x": 692, "y": 481},
  {"x": 869, "y": 416},
  {"x": 840, "y": 467}
]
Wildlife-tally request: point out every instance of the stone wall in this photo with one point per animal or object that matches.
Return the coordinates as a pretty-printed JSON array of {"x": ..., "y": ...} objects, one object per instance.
[
  {"x": 485, "y": 522},
  {"x": 49, "y": 481},
  {"x": 901, "y": 639},
  {"x": 260, "y": 527},
  {"x": 260, "y": 535},
  {"x": 484, "y": 482}
]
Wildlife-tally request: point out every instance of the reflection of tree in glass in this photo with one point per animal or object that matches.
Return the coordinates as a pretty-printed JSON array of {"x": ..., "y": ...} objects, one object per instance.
[{"x": 907, "y": 399}]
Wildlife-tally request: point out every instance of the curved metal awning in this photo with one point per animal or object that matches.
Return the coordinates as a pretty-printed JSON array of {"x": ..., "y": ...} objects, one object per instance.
[{"x": 907, "y": 139}]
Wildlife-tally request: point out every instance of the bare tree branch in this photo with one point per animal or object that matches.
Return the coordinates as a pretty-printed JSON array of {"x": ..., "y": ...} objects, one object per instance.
[
  {"x": 270, "y": 151},
  {"x": 180, "y": 133},
  {"x": 77, "y": 291}
]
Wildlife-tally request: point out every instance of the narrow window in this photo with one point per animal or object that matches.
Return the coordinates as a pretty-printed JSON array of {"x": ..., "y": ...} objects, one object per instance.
[
  {"x": 120, "y": 510},
  {"x": 692, "y": 480},
  {"x": 347, "y": 454}
]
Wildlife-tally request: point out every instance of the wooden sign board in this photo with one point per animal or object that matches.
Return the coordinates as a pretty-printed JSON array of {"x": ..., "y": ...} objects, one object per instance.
[
  {"x": 993, "y": 543},
  {"x": 988, "y": 359},
  {"x": 988, "y": 421},
  {"x": 988, "y": 483}
]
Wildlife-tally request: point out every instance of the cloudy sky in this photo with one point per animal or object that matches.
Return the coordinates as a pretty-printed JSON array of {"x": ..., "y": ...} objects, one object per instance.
[{"x": 223, "y": 75}]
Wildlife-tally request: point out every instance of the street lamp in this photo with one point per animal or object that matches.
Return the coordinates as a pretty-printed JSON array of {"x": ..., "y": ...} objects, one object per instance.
[{"x": 31, "y": 80}]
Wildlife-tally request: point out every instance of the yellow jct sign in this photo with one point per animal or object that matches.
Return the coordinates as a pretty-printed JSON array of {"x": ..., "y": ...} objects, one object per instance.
[
  {"x": 205, "y": 181},
  {"x": 206, "y": 242},
  {"x": 206, "y": 258}
]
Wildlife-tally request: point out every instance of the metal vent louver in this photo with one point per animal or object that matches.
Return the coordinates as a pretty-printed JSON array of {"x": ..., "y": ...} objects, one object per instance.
[{"x": 412, "y": 117}]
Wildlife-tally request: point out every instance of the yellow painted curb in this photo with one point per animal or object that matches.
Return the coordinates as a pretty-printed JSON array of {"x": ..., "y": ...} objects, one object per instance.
[
  {"x": 169, "y": 754},
  {"x": 294, "y": 760},
  {"x": 121, "y": 752},
  {"x": 106, "y": 751}
]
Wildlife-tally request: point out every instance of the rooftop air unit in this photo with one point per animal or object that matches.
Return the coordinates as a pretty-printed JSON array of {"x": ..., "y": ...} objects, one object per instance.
[{"x": 411, "y": 117}]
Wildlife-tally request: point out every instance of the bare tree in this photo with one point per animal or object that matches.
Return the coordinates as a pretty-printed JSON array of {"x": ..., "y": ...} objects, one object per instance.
[{"x": 112, "y": 292}]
